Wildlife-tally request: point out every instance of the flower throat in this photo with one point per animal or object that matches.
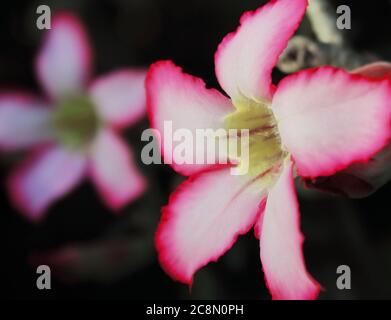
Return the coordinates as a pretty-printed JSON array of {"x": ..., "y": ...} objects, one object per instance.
[
  {"x": 265, "y": 152},
  {"x": 75, "y": 122}
]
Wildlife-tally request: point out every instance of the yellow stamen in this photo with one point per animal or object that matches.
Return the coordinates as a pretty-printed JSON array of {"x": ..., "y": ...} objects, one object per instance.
[{"x": 265, "y": 153}]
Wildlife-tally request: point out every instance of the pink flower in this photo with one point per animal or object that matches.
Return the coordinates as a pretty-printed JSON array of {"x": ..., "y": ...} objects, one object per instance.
[
  {"x": 314, "y": 123},
  {"x": 73, "y": 132}
]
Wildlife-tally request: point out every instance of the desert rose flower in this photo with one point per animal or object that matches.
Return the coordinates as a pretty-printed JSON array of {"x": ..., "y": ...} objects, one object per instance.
[
  {"x": 314, "y": 123},
  {"x": 72, "y": 133}
]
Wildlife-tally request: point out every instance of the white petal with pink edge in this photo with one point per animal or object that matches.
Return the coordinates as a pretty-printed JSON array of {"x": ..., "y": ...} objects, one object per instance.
[
  {"x": 203, "y": 219},
  {"x": 120, "y": 97},
  {"x": 63, "y": 64},
  {"x": 245, "y": 59},
  {"x": 113, "y": 170},
  {"x": 329, "y": 119},
  {"x": 46, "y": 176},
  {"x": 24, "y": 121},
  {"x": 281, "y": 244},
  {"x": 185, "y": 102}
]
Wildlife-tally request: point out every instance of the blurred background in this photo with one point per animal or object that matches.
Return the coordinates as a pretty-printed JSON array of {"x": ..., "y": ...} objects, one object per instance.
[{"x": 97, "y": 254}]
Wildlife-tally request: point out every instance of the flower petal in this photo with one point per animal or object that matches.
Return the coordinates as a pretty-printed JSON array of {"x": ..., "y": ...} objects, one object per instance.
[
  {"x": 358, "y": 180},
  {"x": 64, "y": 61},
  {"x": 361, "y": 179},
  {"x": 376, "y": 70},
  {"x": 203, "y": 220},
  {"x": 185, "y": 102},
  {"x": 24, "y": 121},
  {"x": 120, "y": 97},
  {"x": 47, "y": 175},
  {"x": 113, "y": 170},
  {"x": 245, "y": 59},
  {"x": 329, "y": 119},
  {"x": 281, "y": 244}
]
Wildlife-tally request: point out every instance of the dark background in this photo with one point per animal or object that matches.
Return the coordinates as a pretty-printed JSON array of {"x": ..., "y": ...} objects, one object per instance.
[{"x": 115, "y": 255}]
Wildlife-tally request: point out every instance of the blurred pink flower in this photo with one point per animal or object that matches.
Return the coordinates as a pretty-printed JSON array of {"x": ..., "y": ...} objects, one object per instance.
[
  {"x": 314, "y": 123},
  {"x": 73, "y": 132}
]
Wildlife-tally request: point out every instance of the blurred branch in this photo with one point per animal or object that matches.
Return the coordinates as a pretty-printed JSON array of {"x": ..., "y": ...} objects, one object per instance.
[
  {"x": 103, "y": 261},
  {"x": 322, "y": 18},
  {"x": 302, "y": 52},
  {"x": 332, "y": 47}
]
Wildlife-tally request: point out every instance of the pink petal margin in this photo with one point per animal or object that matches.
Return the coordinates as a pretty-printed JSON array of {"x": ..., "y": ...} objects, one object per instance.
[
  {"x": 281, "y": 244},
  {"x": 376, "y": 70},
  {"x": 45, "y": 176},
  {"x": 245, "y": 58},
  {"x": 185, "y": 101},
  {"x": 63, "y": 64},
  {"x": 113, "y": 170},
  {"x": 120, "y": 97},
  {"x": 24, "y": 121},
  {"x": 329, "y": 119},
  {"x": 203, "y": 219}
]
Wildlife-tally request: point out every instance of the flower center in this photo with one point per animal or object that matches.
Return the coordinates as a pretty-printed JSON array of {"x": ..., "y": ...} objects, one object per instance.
[
  {"x": 75, "y": 122},
  {"x": 265, "y": 152}
]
